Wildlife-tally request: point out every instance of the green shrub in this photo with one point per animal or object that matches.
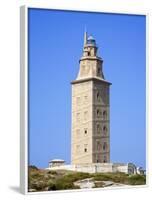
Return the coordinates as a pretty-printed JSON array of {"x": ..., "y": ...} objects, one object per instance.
[
  {"x": 36, "y": 175},
  {"x": 115, "y": 177},
  {"x": 137, "y": 180},
  {"x": 67, "y": 181},
  {"x": 33, "y": 167},
  {"x": 42, "y": 180},
  {"x": 60, "y": 185},
  {"x": 52, "y": 186},
  {"x": 75, "y": 176},
  {"x": 52, "y": 172},
  {"x": 38, "y": 186}
]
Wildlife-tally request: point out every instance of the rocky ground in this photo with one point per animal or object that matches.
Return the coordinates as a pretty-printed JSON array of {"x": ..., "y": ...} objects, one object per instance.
[
  {"x": 90, "y": 183},
  {"x": 47, "y": 180}
]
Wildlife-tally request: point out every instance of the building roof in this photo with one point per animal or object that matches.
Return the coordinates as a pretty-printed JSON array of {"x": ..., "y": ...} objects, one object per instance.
[{"x": 91, "y": 37}]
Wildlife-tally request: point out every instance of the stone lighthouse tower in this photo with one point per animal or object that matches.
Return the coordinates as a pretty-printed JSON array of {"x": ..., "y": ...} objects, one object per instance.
[{"x": 90, "y": 139}]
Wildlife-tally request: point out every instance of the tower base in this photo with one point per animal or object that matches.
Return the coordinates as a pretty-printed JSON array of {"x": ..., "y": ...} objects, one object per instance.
[{"x": 128, "y": 168}]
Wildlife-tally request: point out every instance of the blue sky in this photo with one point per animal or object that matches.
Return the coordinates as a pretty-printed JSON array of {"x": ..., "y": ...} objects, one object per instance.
[{"x": 55, "y": 47}]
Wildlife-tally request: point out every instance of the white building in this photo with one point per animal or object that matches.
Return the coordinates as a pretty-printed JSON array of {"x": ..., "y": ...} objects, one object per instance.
[{"x": 97, "y": 167}]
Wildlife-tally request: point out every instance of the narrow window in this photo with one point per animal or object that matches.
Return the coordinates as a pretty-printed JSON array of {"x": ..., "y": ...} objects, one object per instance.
[
  {"x": 98, "y": 113},
  {"x": 98, "y": 72},
  {"x": 85, "y": 131},
  {"x": 104, "y": 146},
  {"x": 85, "y": 148},
  {"x": 105, "y": 159},
  {"x": 98, "y": 128},
  {"x": 98, "y": 96},
  {"x": 98, "y": 145},
  {"x": 98, "y": 158},
  {"x": 104, "y": 115},
  {"x": 104, "y": 130}
]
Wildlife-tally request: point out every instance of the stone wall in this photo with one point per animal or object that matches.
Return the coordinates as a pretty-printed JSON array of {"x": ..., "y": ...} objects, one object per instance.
[{"x": 99, "y": 168}]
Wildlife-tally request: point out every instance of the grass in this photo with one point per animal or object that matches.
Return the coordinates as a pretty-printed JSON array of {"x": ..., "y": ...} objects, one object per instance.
[
  {"x": 137, "y": 180},
  {"x": 46, "y": 180},
  {"x": 115, "y": 177},
  {"x": 121, "y": 178}
]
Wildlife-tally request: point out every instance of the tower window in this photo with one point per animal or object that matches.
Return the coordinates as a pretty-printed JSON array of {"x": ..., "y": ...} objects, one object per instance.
[
  {"x": 85, "y": 148},
  {"x": 104, "y": 146},
  {"x": 104, "y": 129},
  {"x": 98, "y": 96},
  {"x": 98, "y": 145},
  {"x": 98, "y": 72},
  {"x": 98, "y": 128},
  {"x": 98, "y": 113},
  {"x": 98, "y": 158},
  {"x": 88, "y": 53},
  {"x": 104, "y": 115},
  {"x": 85, "y": 131},
  {"x": 105, "y": 159}
]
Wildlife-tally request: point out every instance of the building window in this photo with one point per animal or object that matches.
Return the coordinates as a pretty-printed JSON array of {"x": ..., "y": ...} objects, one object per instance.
[
  {"x": 98, "y": 113},
  {"x": 98, "y": 128},
  {"x": 98, "y": 158},
  {"x": 85, "y": 148},
  {"x": 98, "y": 96},
  {"x": 104, "y": 130},
  {"x": 105, "y": 159},
  {"x": 104, "y": 115},
  {"x": 104, "y": 146},
  {"x": 98, "y": 71},
  {"x": 98, "y": 145},
  {"x": 85, "y": 131}
]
